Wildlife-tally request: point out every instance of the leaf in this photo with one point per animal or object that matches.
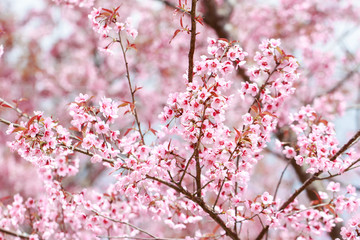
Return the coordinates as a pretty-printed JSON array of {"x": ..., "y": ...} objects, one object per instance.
[
  {"x": 107, "y": 10},
  {"x": 125, "y": 103},
  {"x": 175, "y": 33},
  {"x": 130, "y": 45},
  {"x": 200, "y": 20},
  {"x": 18, "y": 129},
  {"x": 5, "y": 198},
  {"x": 223, "y": 39},
  {"x": 73, "y": 129},
  {"x": 31, "y": 121},
  {"x": 116, "y": 9},
  {"x": 214, "y": 94},
  {"x": 137, "y": 88},
  {"x": 238, "y": 135},
  {"x": 268, "y": 113},
  {"x": 80, "y": 138},
  {"x": 282, "y": 53},
  {"x": 181, "y": 23},
  {"x": 323, "y": 121},
  {"x": 5, "y": 105},
  {"x": 77, "y": 144},
  {"x": 254, "y": 108},
  {"x": 153, "y": 131},
  {"x": 331, "y": 209},
  {"x": 132, "y": 107},
  {"x": 168, "y": 147},
  {"x": 127, "y": 131}
]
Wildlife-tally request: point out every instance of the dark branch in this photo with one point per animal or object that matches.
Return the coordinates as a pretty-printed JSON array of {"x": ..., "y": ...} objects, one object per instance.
[{"x": 192, "y": 41}]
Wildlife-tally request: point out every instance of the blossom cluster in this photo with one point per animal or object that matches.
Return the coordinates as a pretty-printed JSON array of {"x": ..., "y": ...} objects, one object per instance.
[
  {"x": 104, "y": 21},
  {"x": 317, "y": 143},
  {"x": 199, "y": 117},
  {"x": 198, "y": 167},
  {"x": 44, "y": 143}
]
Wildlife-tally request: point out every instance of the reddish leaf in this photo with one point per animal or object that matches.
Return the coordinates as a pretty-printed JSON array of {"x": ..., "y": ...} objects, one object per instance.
[
  {"x": 175, "y": 33},
  {"x": 132, "y": 107},
  {"x": 116, "y": 9},
  {"x": 107, "y": 10},
  {"x": 73, "y": 129},
  {"x": 127, "y": 131},
  {"x": 31, "y": 120},
  {"x": 200, "y": 20},
  {"x": 77, "y": 144},
  {"x": 181, "y": 23},
  {"x": 324, "y": 122},
  {"x": 80, "y": 138},
  {"x": 268, "y": 113},
  {"x": 254, "y": 108},
  {"x": 5, "y": 198},
  {"x": 331, "y": 209},
  {"x": 18, "y": 129},
  {"x": 125, "y": 103},
  {"x": 153, "y": 131},
  {"x": 132, "y": 45},
  {"x": 5, "y": 105},
  {"x": 214, "y": 94},
  {"x": 137, "y": 88},
  {"x": 168, "y": 147},
  {"x": 238, "y": 135},
  {"x": 282, "y": 53},
  {"x": 223, "y": 39}
]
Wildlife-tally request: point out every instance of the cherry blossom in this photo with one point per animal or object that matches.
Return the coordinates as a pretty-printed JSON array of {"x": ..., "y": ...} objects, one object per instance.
[{"x": 217, "y": 112}]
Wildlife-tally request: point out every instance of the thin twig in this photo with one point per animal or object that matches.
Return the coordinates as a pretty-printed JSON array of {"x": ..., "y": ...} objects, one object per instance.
[
  {"x": 218, "y": 195},
  {"x": 126, "y": 223},
  {"x": 131, "y": 89},
  {"x": 20, "y": 235},
  {"x": 197, "y": 143},
  {"x": 18, "y": 110},
  {"x": 281, "y": 177},
  {"x": 350, "y": 167}
]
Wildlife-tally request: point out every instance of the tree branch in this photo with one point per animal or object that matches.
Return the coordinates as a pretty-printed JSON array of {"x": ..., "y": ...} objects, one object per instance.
[
  {"x": 131, "y": 89},
  {"x": 128, "y": 224},
  {"x": 310, "y": 180},
  {"x": 20, "y": 235},
  {"x": 192, "y": 41}
]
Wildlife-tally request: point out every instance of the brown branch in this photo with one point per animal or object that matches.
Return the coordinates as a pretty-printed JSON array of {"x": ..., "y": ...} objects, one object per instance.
[
  {"x": 192, "y": 41},
  {"x": 20, "y": 235},
  {"x": 131, "y": 89},
  {"x": 310, "y": 180},
  {"x": 201, "y": 203},
  {"x": 128, "y": 224},
  {"x": 196, "y": 151},
  {"x": 217, "y": 22},
  {"x": 281, "y": 176},
  {"x": 18, "y": 110},
  {"x": 177, "y": 188}
]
